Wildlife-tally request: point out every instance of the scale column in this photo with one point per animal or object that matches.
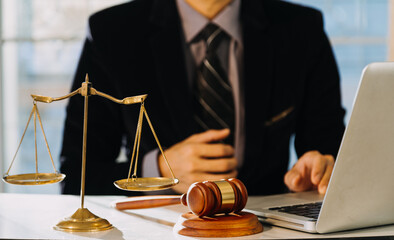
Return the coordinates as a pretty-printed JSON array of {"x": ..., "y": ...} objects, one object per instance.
[
  {"x": 85, "y": 92},
  {"x": 83, "y": 220}
]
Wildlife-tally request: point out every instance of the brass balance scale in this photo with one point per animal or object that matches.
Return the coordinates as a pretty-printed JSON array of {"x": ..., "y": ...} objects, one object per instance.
[{"x": 83, "y": 220}]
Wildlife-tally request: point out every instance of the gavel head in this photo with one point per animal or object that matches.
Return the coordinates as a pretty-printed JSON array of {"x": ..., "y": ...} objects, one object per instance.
[{"x": 214, "y": 197}]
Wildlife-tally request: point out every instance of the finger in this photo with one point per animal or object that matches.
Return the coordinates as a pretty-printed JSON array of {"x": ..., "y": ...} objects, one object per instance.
[
  {"x": 320, "y": 168},
  {"x": 217, "y": 150},
  {"x": 322, "y": 187},
  {"x": 319, "y": 165},
  {"x": 209, "y": 136},
  {"x": 299, "y": 169},
  {"x": 314, "y": 165},
  {"x": 220, "y": 165},
  {"x": 293, "y": 180},
  {"x": 217, "y": 177}
]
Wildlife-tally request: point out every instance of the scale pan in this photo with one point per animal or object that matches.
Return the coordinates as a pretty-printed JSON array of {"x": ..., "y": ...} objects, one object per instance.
[
  {"x": 146, "y": 184},
  {"x": 34, "y": 178}
]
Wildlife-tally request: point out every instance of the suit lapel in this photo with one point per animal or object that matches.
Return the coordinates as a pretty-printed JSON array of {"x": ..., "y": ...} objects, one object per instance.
[{"x": 166, "y": 43}]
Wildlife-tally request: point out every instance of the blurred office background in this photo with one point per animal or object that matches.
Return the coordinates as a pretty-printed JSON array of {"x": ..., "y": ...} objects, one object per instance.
[{"x": 40, "y": 42}]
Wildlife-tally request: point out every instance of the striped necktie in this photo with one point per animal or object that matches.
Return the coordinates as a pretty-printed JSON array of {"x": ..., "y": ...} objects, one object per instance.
[{"x": 213, "y": 94}]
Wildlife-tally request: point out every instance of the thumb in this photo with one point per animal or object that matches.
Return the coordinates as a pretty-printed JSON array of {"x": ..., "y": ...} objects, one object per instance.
[{"x": 209, "y": 136}]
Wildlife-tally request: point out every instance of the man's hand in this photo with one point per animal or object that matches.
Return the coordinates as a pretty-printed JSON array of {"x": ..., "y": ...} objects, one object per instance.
[
  {"x": 200, "y": 158},
  {"x": 313, "y": 170}
]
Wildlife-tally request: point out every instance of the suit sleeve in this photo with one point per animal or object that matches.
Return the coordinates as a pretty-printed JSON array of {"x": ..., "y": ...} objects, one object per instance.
[{"x": 320, "y": 125}]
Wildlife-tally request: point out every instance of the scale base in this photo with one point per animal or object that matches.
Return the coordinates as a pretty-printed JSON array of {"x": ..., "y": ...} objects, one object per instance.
[{"x": 83, "y": 221}]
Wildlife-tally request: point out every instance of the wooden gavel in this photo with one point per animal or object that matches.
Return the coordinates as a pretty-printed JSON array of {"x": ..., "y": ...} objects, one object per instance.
[{"x": 203, "y": 198}]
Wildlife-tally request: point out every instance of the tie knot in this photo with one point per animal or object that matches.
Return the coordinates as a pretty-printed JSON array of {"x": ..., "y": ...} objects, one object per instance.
[{"x": 212, "y": 35}]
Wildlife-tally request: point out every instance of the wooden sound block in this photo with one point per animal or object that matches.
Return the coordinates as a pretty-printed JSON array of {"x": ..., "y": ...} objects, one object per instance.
[{"x": 224, "y": 225}]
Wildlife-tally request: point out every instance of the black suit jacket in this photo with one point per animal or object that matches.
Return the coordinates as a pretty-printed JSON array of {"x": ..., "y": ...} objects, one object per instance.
[{"x": 136, "y": 48}]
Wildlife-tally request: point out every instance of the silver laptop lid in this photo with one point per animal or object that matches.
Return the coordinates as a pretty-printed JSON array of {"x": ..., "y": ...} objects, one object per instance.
[{"x": 361, "y": 190}]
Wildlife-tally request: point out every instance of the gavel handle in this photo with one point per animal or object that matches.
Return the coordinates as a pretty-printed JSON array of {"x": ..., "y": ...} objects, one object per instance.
[{"x": 147, "y": 202}]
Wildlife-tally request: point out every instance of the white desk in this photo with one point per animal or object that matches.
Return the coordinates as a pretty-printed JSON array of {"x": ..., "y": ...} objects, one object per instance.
[{"x": 32, "y": 216}]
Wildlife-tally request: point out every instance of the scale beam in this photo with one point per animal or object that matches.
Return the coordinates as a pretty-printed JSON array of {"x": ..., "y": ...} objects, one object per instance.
[{"x": 83, "y": 220}]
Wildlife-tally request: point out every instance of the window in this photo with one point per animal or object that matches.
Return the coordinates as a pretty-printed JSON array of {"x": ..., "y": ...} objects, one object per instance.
[
  {"x": 40, "y": 45},
  {"x": 359, "y": 34}
]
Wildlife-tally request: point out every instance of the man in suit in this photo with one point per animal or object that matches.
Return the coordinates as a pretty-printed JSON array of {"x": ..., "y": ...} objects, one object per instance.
[{"x": 284, "y": 81}]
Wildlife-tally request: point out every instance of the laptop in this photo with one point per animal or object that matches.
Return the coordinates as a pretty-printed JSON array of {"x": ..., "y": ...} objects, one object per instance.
[{"x": 361, "y": 189}]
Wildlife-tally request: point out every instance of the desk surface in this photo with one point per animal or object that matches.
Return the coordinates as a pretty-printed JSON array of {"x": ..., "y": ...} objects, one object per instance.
[{"x": 32, "y": 216}]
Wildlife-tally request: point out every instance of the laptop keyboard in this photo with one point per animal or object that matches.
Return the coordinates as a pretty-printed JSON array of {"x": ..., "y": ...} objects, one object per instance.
[{"x": 309, "y": 210}]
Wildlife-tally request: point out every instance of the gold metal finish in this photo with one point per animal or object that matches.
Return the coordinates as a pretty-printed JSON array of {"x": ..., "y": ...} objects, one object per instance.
[
  {"x": 45, "y": 99},
  {"x": 126, "y": 101},
  {"x": 34, "y": 178},
  {"x": 83, "y": 220},
  {"x": 228, "y": 196},
  {"x": 132, "y": 183},
  {"x": 146, "y": 184},
  {"x": 85, "y": 93}
]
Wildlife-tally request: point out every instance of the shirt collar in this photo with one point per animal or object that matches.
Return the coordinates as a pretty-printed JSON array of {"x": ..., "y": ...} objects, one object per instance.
[{"x": 193, "y": 22}]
